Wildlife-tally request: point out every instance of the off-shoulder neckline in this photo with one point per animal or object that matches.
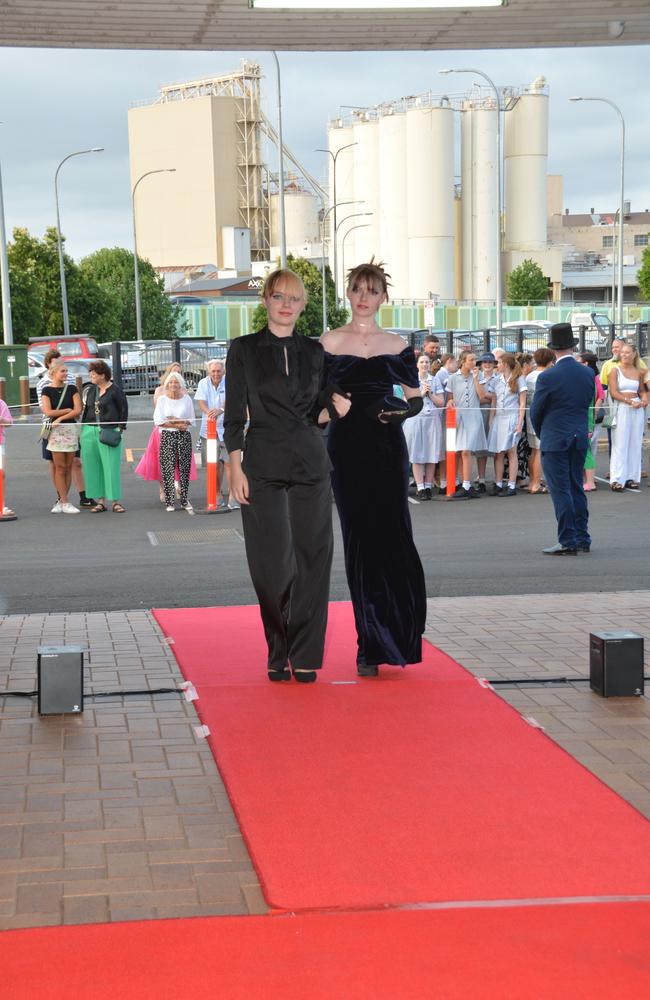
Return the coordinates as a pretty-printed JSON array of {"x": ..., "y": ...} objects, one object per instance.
[{"x": 371, "y": 357}]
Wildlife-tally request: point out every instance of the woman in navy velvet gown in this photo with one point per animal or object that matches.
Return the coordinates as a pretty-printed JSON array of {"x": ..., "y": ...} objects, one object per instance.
[{"x": 370, "y": 477}]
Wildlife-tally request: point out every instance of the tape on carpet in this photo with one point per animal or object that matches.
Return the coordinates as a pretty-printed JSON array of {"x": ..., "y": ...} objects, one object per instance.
[
  {"x": 589, "y": 952},
  {"x": 418, "y": 786}
]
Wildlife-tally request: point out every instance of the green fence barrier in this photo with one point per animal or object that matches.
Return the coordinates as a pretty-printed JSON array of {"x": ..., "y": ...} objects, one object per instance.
[{"x": 226, "y": 319}]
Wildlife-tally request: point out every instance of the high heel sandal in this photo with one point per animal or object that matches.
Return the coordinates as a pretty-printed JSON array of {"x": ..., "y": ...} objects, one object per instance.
[
  {"x": 305, "y": 676},
  {"x": 283, "y": 674},
  {"x": 366, "y": 669}
]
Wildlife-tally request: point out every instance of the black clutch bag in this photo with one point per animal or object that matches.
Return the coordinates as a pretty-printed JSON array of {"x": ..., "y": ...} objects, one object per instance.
[{"x": 389, "y": 409}]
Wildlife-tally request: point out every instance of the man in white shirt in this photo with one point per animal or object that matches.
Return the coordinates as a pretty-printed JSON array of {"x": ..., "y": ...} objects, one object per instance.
[{"x": 211, "y": 396}]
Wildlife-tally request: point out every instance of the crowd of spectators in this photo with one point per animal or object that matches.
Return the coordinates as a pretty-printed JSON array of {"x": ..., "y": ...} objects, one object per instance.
[
  {"x": 498, "y": 453},
  {"x": 491, "y": 394}
]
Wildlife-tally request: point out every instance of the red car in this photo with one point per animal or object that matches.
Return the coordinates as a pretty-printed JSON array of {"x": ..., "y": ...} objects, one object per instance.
[{"x": 71, "y": 348}]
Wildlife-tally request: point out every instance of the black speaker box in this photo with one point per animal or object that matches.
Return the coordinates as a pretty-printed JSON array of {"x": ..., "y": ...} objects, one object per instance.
[
  {"x": 616, "y": 664},
  {"x": 60, "y": 679}
]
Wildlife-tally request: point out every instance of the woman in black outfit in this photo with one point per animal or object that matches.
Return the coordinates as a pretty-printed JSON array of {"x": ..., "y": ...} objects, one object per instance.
[
  {"x": 280, "y": 475},
  {"x": 370, "y": 478},
  {"x": 105, "y": 415}
]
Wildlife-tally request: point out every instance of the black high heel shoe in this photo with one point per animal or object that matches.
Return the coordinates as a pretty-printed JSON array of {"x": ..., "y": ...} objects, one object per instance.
[
  {"x": 366, "y": 669},
  {"x": 283, "y": 674},
  {"x": 305, "y": 676}
]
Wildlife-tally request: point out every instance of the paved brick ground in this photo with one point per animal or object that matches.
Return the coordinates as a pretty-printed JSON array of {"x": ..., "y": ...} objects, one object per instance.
[{"x": 121, "y": 814}]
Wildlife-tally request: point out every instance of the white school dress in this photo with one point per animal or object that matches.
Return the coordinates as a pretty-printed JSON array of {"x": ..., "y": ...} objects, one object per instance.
[
  {"x": 470, "y": 431},
  {"x": 423, "y": 432},
  {"x": 503, "y": 434}
]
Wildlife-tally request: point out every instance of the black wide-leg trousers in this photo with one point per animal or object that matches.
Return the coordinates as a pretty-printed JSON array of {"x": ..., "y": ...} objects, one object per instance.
[{"x": 289, "y": 544}]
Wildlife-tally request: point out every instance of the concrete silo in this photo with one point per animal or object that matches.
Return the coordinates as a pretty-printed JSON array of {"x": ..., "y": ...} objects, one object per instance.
[
  {"x": 479, "y": 198},
  {"x": 340, "y": 135},
  {"x": 430, "y": 193},
  {"x": 393, "y": 202},
  {"x": 526, "y": 156},
  {"x": 362, "y": 244},
  {"x": 300, "y": 218}
]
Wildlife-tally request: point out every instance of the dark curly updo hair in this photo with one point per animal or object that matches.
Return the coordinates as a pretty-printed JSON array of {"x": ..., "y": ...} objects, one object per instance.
[{"x": 374, "y": 275}]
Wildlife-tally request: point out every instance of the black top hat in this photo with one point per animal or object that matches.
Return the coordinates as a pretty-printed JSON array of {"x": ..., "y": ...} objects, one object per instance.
[
  {"x": 488, "y": 356},
  {"x": 561, "y": 337}
]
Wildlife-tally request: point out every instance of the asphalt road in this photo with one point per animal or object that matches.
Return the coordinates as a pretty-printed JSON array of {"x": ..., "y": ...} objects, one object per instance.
[{"x": 149, "y": 558}]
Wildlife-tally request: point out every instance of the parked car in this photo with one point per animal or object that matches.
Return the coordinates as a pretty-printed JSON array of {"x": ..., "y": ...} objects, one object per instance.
[
  {"x": 69, "y": 347},
  {"x": 36, "y": 370}
]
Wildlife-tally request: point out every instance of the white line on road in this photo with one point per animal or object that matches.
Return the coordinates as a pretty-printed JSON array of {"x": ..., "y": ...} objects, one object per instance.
[{"x": 152, "y": 537}]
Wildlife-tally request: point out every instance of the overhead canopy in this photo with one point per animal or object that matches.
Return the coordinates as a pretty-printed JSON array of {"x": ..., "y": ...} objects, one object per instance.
[{"x": 231, "y": 24}]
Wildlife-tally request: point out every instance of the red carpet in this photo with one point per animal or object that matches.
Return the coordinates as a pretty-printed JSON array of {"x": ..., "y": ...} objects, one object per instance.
[
  {"x": 417, "y": 787},
  {"x": 596, "y": 952}
]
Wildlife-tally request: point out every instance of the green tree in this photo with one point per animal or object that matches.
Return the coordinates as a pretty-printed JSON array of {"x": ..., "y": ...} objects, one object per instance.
[
  {"x": 36, "y": 291},
  {"x": 643, "y": 275},
  {"x": 112, "y": 271},
  {"x": 527, "y": 285},
  {"x": 310, "y": 323}
]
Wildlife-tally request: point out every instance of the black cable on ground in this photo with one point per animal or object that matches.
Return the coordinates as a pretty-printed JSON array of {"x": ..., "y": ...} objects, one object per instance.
[
  {"x": 96, "y": 694},
  {"x": 541, "y": 680}
]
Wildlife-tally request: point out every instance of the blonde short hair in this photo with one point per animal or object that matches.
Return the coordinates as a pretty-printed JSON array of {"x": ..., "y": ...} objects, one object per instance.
[{"x": 283, "y": 274}]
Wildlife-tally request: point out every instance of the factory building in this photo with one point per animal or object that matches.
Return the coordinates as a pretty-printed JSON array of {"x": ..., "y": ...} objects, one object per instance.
[
  {"x": 395, "y": 166},
  {"x": 220, "y": 205},
  {"x": 402, "y": 196}
]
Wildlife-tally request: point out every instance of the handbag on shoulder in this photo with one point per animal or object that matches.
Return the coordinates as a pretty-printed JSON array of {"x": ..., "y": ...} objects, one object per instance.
[
  {"x": 46, "y": 424},
  {"x": 110, "y": 436}
]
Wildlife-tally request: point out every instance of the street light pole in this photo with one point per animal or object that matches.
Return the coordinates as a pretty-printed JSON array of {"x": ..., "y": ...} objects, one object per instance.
[
  {"x": 362, "y": 225},
  {"x": 335, "y": 157},
  {"x": 499, "y": 281},
  {"x": 281, "y": 217},
  {"x": 64, "y": 291},
  {"x": 352, "y": 215},
  {"x": 326, "y": 212},
  {"x": 621, "y": 219},
  {"x": 136, "y": 271},
  {"x": 613, "y": 299},
  {"x": 4, "y": 277}
]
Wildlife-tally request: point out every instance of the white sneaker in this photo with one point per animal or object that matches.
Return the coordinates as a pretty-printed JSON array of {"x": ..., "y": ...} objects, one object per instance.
[
  {"x": 57, "y": 508},
  {"x": 69, "y": 508},
  {"x": 189, "y": 508},
  {"x": 170, "y": 509}
]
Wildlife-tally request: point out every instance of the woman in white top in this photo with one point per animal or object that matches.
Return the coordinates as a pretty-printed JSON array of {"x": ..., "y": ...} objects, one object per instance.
[
  {"x": 423, "y": 432},
  {"x": 174, "y": 415},
  {"x": 627, "y": 387},
  {"x": 510, "y": 409},
  {"x": 543, "y": 359}
]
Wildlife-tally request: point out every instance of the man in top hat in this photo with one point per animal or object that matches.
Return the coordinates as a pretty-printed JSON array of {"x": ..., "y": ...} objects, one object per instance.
[{"x": 559, "y": 415}]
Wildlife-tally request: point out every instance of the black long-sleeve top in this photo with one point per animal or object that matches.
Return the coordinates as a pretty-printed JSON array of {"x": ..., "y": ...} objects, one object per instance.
[
  {"x": 113, "y": 407},
  {"x": 283, "y": 439}
]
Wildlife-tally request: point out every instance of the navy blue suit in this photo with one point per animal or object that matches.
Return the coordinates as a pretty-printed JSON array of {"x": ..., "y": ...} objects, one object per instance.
[{"x": 559, "y": 414}]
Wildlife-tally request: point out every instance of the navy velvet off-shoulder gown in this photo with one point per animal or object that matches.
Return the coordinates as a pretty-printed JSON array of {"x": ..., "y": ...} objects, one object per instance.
[{"x": 370, "y": 482}]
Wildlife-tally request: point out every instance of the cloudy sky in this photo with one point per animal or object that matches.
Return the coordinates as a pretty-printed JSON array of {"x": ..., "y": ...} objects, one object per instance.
[{"x": 57, "y": 101}]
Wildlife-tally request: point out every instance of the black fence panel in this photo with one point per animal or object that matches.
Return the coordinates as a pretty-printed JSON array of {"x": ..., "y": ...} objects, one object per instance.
[{"x": 138, "y": 366}]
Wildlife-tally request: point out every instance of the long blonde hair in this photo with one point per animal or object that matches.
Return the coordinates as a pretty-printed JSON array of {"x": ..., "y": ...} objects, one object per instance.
[{"x": 515, "y": 372}]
